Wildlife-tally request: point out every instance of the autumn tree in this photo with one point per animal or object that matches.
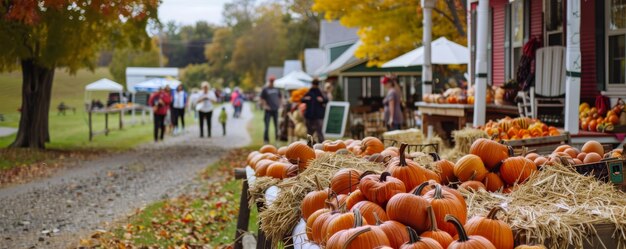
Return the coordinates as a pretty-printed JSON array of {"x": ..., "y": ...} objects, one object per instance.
[
  {"x": 134, "y": 57},
  {"x": 41, "y": 35},
  {"x": 389, "y": 28}
]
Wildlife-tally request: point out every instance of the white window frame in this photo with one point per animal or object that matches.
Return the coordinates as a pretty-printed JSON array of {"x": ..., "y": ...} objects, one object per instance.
[
  {"x": 546, "y": 33},
  {"x": 607, "y": 34}
]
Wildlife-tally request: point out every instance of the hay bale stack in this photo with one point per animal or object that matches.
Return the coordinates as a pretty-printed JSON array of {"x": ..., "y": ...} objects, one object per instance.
[
  {"x": 409, "y": 136},
  {"x": 557, "y": 207},
  {"x": 278, "y": 220},
  {"x": 463, "y": 139}
]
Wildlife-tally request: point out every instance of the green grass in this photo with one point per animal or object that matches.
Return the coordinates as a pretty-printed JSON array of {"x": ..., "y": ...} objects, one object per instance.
[{"x": 256, "y": 128}]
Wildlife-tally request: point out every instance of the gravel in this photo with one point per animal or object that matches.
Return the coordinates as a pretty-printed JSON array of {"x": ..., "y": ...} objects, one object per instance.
[{"x": 55, "y": 212}]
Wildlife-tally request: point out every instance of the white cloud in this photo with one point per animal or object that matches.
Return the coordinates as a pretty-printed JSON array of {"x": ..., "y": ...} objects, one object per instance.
[{"x": 191, "y": 11}]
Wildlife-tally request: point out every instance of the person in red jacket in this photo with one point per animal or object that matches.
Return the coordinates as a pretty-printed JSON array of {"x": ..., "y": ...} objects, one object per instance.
[{"x": 160, "y": 102}]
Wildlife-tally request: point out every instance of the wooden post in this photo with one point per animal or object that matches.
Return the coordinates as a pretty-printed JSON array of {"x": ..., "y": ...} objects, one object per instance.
[
  {"x": 262, "y": 242},
  {"x": 244, "y": 210},
  {"x": 121, "y": 119},
  {"x": 90, "y": 127},
  {"x": 106, "y": 123}
]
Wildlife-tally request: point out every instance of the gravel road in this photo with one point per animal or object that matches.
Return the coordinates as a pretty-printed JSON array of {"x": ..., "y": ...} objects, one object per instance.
[{"x": 54, "y": 212}]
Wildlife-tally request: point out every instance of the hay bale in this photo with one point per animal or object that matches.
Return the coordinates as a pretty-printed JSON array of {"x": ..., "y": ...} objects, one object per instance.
[
  {"x": 278, "y": 220},
  {"x": 409, "y": 136},
  {"x": 557, "y": 207},
  {"x": 463, "y": 140},
  {"x": 258, "y": 188}
]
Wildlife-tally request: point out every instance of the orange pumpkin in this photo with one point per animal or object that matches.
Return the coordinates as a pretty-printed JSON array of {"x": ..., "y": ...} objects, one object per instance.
[
  {"x": 592, "y": 157},
  {"x": 530, "y": 247},
  {"x": 493, "y": 182},
  {"x": 593, "y": 146},
  {"x": 268, "y": 148},
  {"x": 251, "y": 155},
  {"x": 316, "y": 228},
  {"x": 516, "y": 170},
  {"x": 282, "y": 170},
  {"x": 354, "y": 198},
  {"x": 406, "y": 170},
  {"x": 282, "y": 150},
  {"x": 342, "y": 222},
  {"x": 345, "y": 181},
  {"x": 472, "y": 185},
  {"x": 395, "y": 231},
  {"x": 470, "y": 167},
  {"x": 261, "y": 166},
  {"x": 370, "y": 210},
  {"x": 371, "y": 145},
  {"x": 379, "y": 189},
  {"x": 465, "y": 241},
  {"x": 300, "y": 153},
  {"x": 490, "y": 152},
  {"x": 311, "y": 220},
  {"x": 358, "y": 237},
  {"x": 332, "y": 146},
  {"x": 314, "y": 200},
  {"x": 434, "y": 232},
  {"x": 444, "y": 202},
  {"x": 445, "y": 170},
  {"x": 409, "y": 209},
  {"x": 498, "y": 232},
  {"x": 417, "y": 242}
]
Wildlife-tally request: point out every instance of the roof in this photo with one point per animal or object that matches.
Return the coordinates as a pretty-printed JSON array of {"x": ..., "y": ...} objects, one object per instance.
[
  {"x": 104, "y": 85},
  {"x": 291, "y": 65},
  {"x": 314, "y": 59},
  {"x": 152, "y": 71},
  {"x": 444, "y": 52},
  {"x": 277, "y": 72},
  {"x": 333, "y": 32},
  {"x": 344, "y": 60}
]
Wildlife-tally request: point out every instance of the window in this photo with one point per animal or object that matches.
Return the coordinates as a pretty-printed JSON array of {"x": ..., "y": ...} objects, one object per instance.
[
  {"x": 553, "y": 22},
  {"x": 517, "y": 33},
  {"x": 374, "y": 89},
  {"x": 354, "y": 90},
  {"x": 616, "y": 43}
]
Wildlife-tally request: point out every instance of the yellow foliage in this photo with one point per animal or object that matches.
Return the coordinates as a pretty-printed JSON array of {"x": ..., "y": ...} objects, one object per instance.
[{"x": 389, "y": 28}]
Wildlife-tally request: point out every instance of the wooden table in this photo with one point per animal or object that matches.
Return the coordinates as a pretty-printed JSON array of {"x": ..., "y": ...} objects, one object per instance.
[
  {"x": 459, "y": 114},
  {"x": 106, "y": 112}
]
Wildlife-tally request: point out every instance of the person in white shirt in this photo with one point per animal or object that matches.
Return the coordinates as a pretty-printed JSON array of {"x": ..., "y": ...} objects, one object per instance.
[
  {"x": 204, "y": 106},
  {"x": 193, "y": 98},
  {"x": 179, "y": 102}
]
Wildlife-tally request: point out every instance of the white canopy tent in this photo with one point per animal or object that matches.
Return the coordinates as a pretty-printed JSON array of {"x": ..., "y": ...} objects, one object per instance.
[
  {"x": 102, "y": 85},
  {"x": 444, "y": 52},
  {"x": 154, "y": 84},
  {"x": 294, "y": 80}
]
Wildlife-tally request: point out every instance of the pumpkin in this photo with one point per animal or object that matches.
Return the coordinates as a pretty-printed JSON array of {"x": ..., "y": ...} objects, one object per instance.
[
  {"x": 268, "y": 148},
  {"x": 358, "y": 237},
  {"x": 324, "y": 235},
  {"x": 493, "y": 182},
  {"x": 516, "y": 169},
  {"x": 390, "y": 152},
  {"x": 496, "y": 231},
  {"x": 371, "y": 145},
  {"x": 472, "y": 185},
  {"x": 530, "y": 247},
  {"x": 396, "y": 232},
  {"x": 562, "y": 148},
  {"x": 490, "y": 152},
  {"x": 260, "y": 157},
  {"x": 316, "y": 228},
  {"x": 572, "y": 152},
  {"x": 592, "y": 157},
  {"x": 342, "y": 222},
  {"x": 409, "y": 209},
  {"x": 345, "y": 181},
  {"x": 417, "y": 242},
  {"x": 445, "y": 170},
  {"x": 311, "y": 220},
  {"x": 251, "y": 155},
  {"x": 434, "y": 232},
  {"x": 368, "y": 209},
  {"x": 314, "y": 200},
  {"x": 300, "y": 153},
  {"x": 379, "y": 189},
  {"x": 354, "y": 198},
  {"x": 282, "y": 150},
  {"x": 593, "y": 146},
  {"x": 470, "y": 167},
  {"x": 332, "y": 146},
  {"x": 465, "y": 241},
  {"x": 407, "y": 171},
  {"x": 282, "y": 170},
  {"x": 377, "y": 158},
  {"x": 443, "y": 203},
  {"x": 532, "y": 156},
  {"x": 540, "y": 161},
  {"x": 430, "y": 185},
  {"x": 261, "y": 166}
]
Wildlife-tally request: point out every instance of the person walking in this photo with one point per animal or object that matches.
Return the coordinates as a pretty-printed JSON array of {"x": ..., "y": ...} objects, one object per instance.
[
  {"x": 204, "y": 106},
  {"x": 193, "y": 100},
  {"x": 222, "y": 118},
  {"x": 271, "y": 99},
  {"x": 315, "y": 102},
  {"x": 392, "y": 104},
  {"x": 160, "y": 102},
  {"x": 237, "y": 100},
  {"x": 179, "y": 102}
]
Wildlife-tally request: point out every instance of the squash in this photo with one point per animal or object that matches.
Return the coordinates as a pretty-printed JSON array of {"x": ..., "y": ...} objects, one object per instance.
[
  {"x": 345, "y": 181},
  {"x": 517, "y": 170},
  {"x": 370, "y": 210},
  {"x": 354, "y": 198},
  {"x": 470, "y": 167},
  {"x": 443, "y": 203},
  {"x": 465, "y": 241},
  {"x": 490, "y": 152},
  {"x": 396, "y": 232},
  {"x": 498, "y": 232},
  {"x": 593, "y": 146},
  {"x": 409, "y": 209},
  {"x": 417, "y": 242},
  {"x": 406, "y": 170},
  {"x": 434, "y": 232},
  {"x": 300, "y": 153},
  {"x": 379, "y": 189},
  {"x": 358, "y": 237},
  {"x": 371, "y": 145},
  {"x": 268, "y": 148},
  {"x": 314, "y": 200},
  {"x": 493, "y": 182}
]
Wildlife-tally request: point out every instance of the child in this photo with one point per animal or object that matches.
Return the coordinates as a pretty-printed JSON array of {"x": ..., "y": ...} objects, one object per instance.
[{"x": 222, "y": 118}]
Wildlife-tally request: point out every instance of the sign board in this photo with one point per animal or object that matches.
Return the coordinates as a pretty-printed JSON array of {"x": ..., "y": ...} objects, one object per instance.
[
  {"x": 335, "y": 119},
  {"x": 141, "y": 98}
]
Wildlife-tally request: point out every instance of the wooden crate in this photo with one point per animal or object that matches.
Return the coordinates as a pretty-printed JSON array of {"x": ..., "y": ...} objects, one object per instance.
[
  {"x": 609, "y": 170},
  {"x": 604, "y": 233},
  {"x": 540, "y": 145}
]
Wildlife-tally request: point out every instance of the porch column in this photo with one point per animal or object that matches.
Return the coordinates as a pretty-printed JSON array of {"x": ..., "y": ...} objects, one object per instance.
[
  {"x": 573, "y": 66},
  {"x": 427, "y": 70},
  {"x": 480, "y": 87}
]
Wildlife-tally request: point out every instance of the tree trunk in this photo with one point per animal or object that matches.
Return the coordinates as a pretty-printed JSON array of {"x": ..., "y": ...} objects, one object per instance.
[{"x": 36, "y": 91}]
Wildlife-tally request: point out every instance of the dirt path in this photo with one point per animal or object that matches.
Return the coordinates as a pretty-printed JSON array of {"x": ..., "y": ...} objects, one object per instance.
[{"x": 53, "y": 212}]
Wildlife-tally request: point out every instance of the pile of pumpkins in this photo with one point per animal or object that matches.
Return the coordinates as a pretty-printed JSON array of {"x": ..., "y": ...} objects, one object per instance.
[
  {"x": 287, "y": 161},
  {"x": 591, "y": 152},
  {"x": 406, "y": 206},
  {"x": 519, "y": 128},
  {"x": 591, "y": 119}
]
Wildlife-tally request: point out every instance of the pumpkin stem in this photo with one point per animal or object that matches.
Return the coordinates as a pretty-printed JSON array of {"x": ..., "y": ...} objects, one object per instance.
[
  {"x": 494, "y": 212},
  {"x": 384, "y": 175},
  {"x": 402, "y": 156},
  {"x": 378, "y": 221},
  {"x": 438, "y": 192},
  {"x": 435, "y": 156},
  {"x": 413, "y": 236},
  {"x": 366, "y": 173},
  {"x": 317, "y": 182},
  {"x": 495, "y": 168},
  {"x": 358, "y": 219},
  {"x": 420, "y": 188},
  {"x": 351, "y": 238},
  {"x": 459, "y": 227},
  {"x": 433, "y": 220}
]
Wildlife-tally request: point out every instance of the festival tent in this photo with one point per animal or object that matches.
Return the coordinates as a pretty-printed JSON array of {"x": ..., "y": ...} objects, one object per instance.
[
  {"x": 102, "y": 85},
  {"x": 152, "y": 85},
  {"x": 294, "y": 80},
  {"x": 444, "y": 52}
]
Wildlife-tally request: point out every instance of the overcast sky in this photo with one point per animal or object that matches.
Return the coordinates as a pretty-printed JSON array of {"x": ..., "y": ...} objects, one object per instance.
[{"x": 190, "y": 11}]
